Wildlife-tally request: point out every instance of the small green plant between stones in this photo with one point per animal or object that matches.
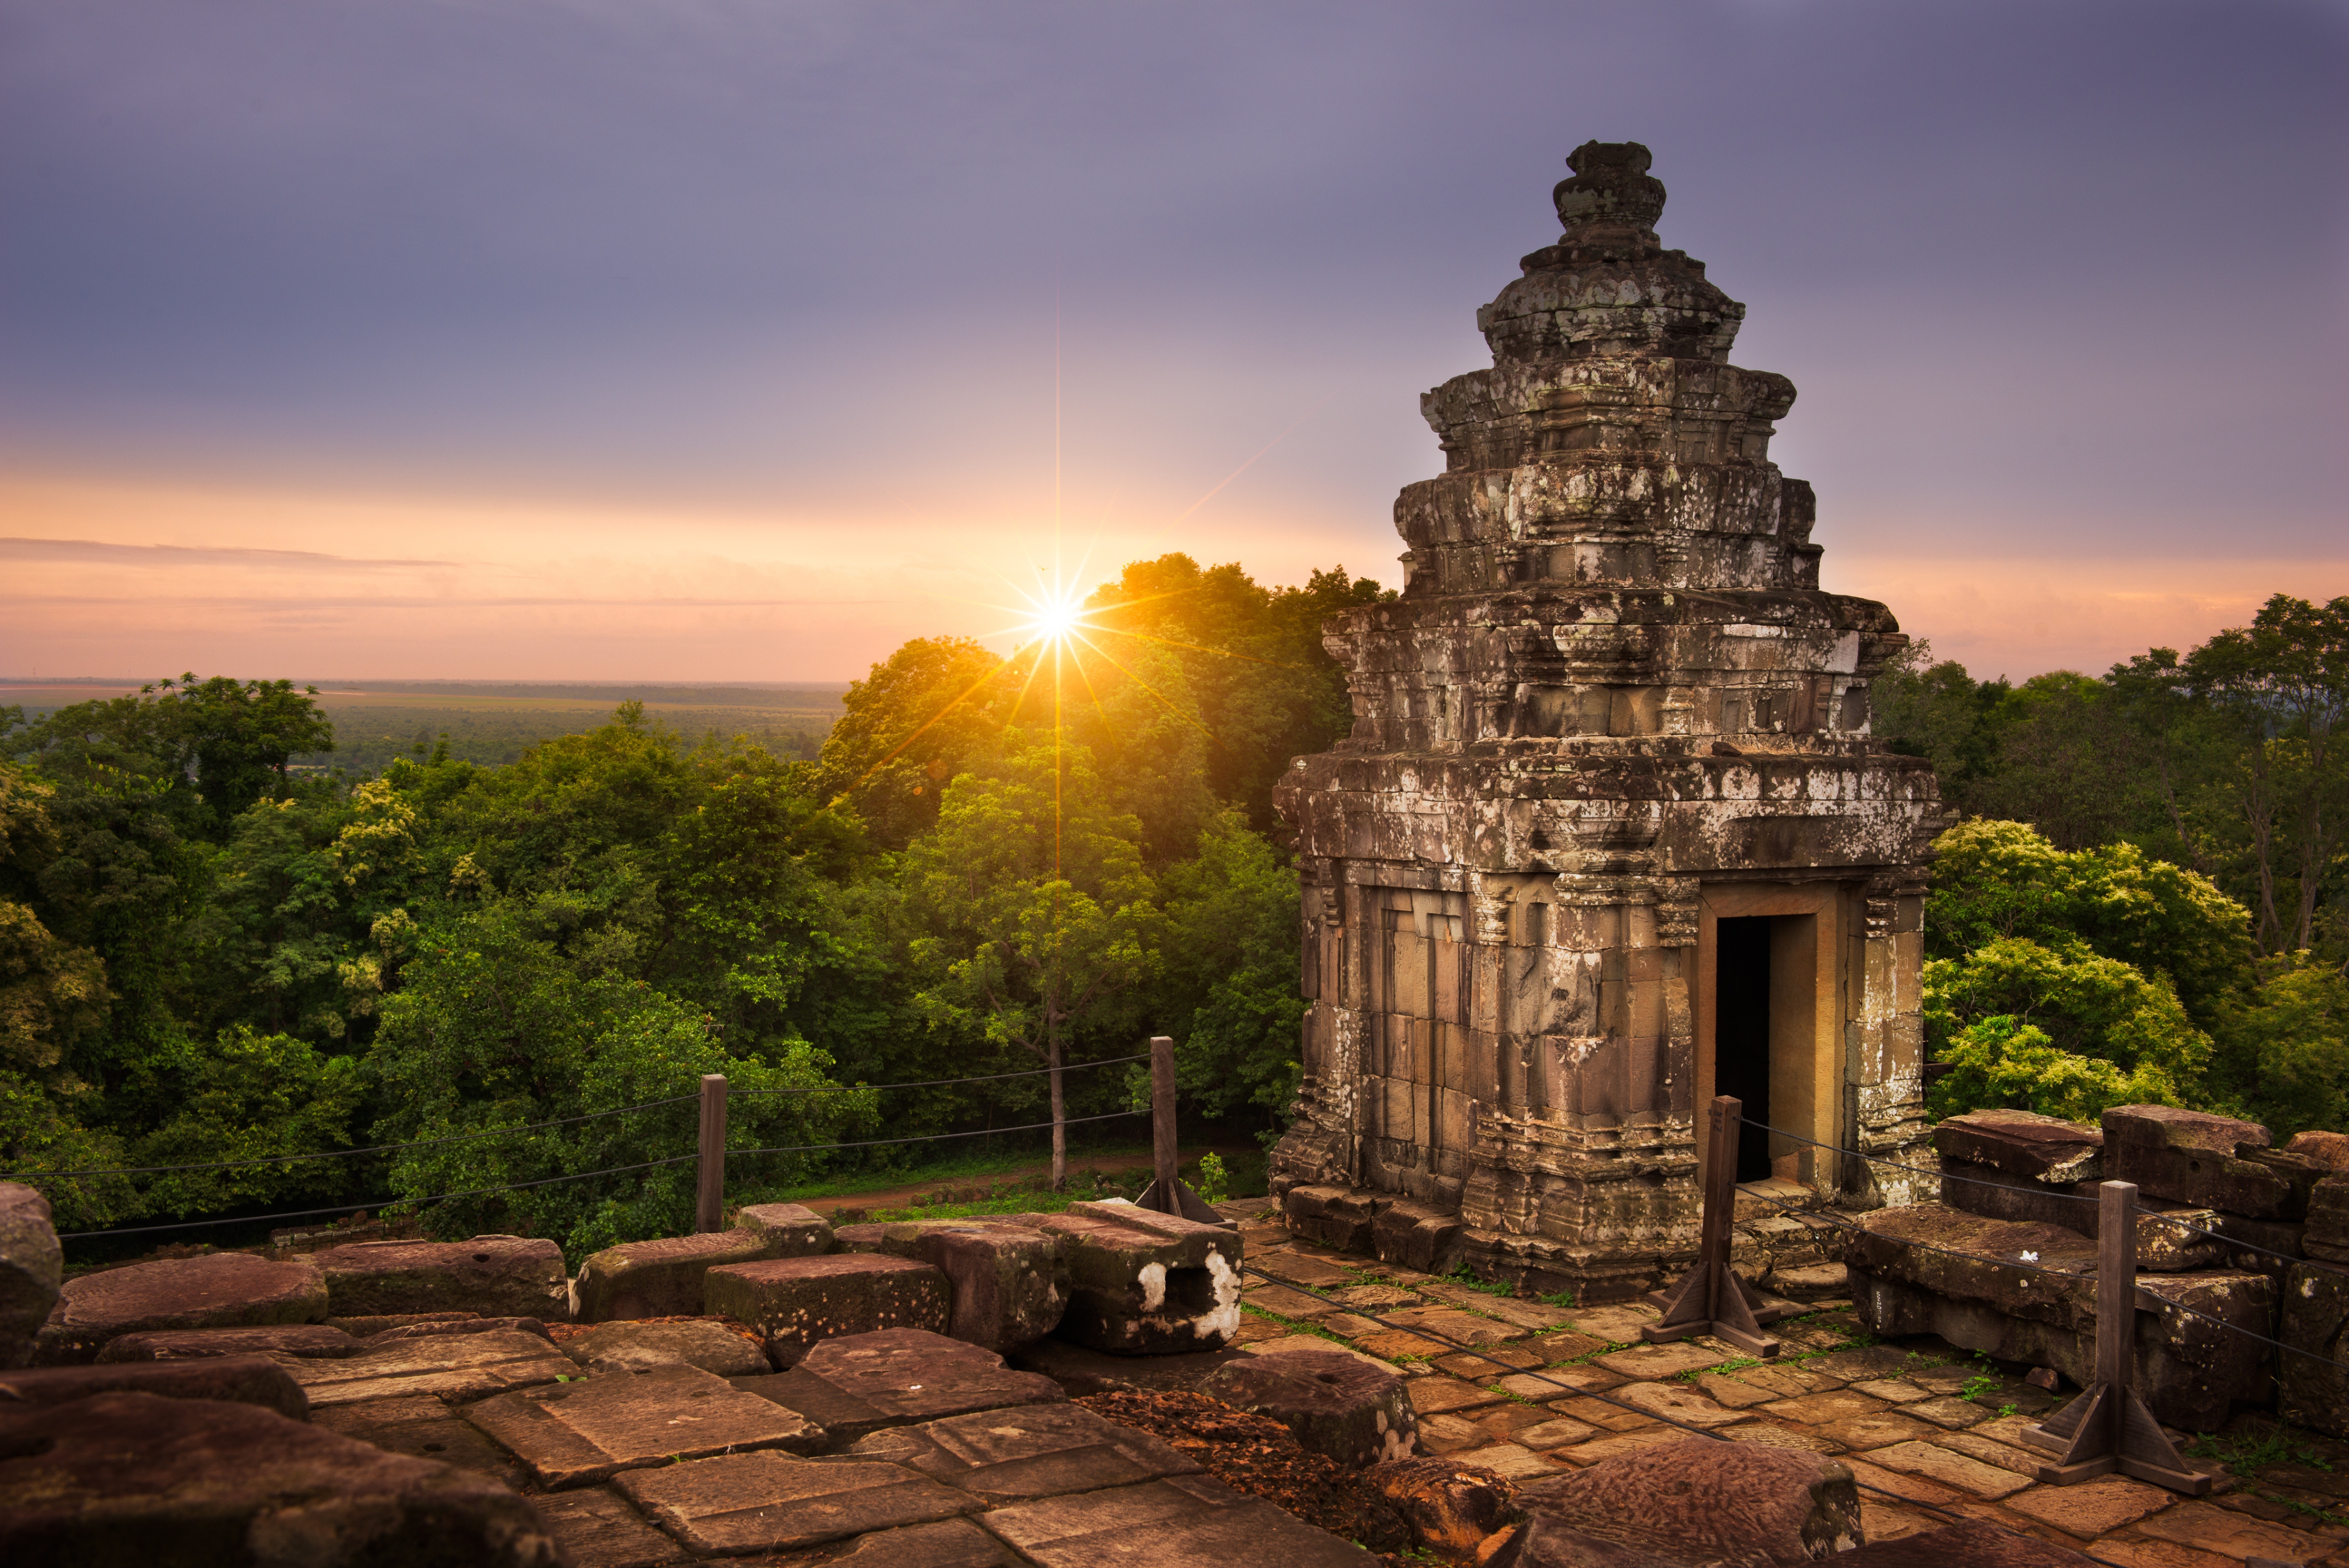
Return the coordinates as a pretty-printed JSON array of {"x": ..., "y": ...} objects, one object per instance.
[{"x": 1214, "y": 1182}]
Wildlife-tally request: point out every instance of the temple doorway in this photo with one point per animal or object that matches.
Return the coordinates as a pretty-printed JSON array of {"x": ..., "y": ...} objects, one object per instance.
[{"x": 1769, "y": 1014}]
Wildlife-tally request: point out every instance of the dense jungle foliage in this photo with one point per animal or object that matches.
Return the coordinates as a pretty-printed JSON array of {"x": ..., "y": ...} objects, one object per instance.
[
  {"x": 206, "y": 957},
  {"x": 2150, "y": 899}
]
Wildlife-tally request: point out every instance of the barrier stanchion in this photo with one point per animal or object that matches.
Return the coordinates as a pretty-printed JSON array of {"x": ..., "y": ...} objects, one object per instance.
[
  {"x": 1710, "y": 1298},
  {"x": 2108, "y": 1428},
  {"x": 1165, "y": 1193},
  {"x": 710, "y": 1196}
]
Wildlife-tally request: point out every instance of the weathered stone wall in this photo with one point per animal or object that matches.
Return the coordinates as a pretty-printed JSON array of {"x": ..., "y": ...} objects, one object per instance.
[{"x": 1611, "y": 690}]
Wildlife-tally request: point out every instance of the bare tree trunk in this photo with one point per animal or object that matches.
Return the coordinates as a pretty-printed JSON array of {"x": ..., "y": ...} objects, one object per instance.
[{"x": 1060, "y": 1124}]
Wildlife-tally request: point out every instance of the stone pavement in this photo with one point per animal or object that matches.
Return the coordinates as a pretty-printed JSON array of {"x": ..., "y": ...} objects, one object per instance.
[{"x": 1933, "y": 1433}]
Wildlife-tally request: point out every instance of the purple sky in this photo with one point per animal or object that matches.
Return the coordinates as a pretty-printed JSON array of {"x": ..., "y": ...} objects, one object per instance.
[{"x": 569, "y": 338}]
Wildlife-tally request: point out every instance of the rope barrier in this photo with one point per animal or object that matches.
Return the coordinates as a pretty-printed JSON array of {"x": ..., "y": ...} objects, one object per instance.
[
  {"x": 937, "y": 1083},
  {"x": 932, "y": 1138}
]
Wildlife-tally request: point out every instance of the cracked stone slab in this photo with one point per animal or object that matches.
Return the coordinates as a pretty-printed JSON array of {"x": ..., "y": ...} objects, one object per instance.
[
  {"x": 1041, "y": 1450},
  {"x": 303, "y": 1339},
  {"x": 576, "y": 1434},
  {"x": 422, "y": 1427},
  {"x": 218, "y": 1289},
  {"x": 641, "y": 1346},
  {"x": 950, "y": 1544},
  {"x": 796, "y": 1302},
  {"x": 236, "y": 1379},
  {"x": 768, "y": 1502},
  {"x": 1182, "y": 1522},
  {"x": 456, "y": 1367},
  {"x": 863, "y": 1383}
]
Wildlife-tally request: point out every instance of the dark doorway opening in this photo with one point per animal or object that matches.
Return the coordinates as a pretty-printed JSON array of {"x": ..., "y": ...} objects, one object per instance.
[{"x": 1741, "y": 1034}]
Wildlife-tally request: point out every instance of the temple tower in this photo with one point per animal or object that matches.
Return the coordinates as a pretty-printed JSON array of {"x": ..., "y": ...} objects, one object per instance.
[{"x": 1609, "y": 835}]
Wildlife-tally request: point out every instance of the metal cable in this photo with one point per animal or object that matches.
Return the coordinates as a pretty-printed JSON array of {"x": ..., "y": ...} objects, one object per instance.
[
  {"x": 1619, "y": 1404},
  {"x": 376, "y": 1202},
  {"x": 932, "y": 1138},
  {"x": 937, "y": 1083},
  {"x": 346, "y": 1153}
]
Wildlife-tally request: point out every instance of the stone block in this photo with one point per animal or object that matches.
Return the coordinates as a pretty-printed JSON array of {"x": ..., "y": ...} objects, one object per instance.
[
  {"x": 2330, "y": 1149},
  {"x": 1182, "y": 1521},
  {"x": 299, "y": 1339},
  {"x": 796, "y": 1302},
  {"x": 218, "y": 1289},
  {"x": 372, "y": 1324},
  {"x": 1337, "y": 1217},
  {"x": 1145, "y": 1283},
  {"x": 2327, "y": 1233},
  {"x": 797, "y": 1231},
  {"x": 1015, "y": 1455},
  {"x": 641, "y": 1346},
  {"x": 581, "y": 1432},
  {"x": 134, "y": 1478},
  {"x": 1333, "y": 1404},
  {"x": 456, "y": 1367},
  {"x": 2312, "y": 1372},
  {"x": 2023, "y": 1143},
  {"x": 2264, "y": 1184},
  {"x": 950, "y": 1544},
  {"x": 898, "y": 1377},
  {"x": 491, "y": 1276},
  {"x": 1081, "y": 1370},
  {"x": 1009, "y": 1283},
  {"x": 663, "y": 1278},
  {"x": 31, "y": 1267},
  {"x": 2170, "y": 1127},
  {"x": 421, "y": 1426},
  {"x": 236, "y": 1380},
  {"x": 768, "y": 1502},
  {"x": 1416, "y": 1235},
  {"x": 433, "y": 1328}
]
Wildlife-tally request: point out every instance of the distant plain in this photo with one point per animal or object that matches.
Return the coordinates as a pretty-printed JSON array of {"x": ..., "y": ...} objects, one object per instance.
[{"x": 496, "y": 722}]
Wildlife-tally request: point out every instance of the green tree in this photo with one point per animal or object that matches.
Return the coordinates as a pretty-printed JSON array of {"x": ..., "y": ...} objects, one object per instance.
[
  {"x": 1227, "y": 982},
  {"x": 1039, "y": 921},
  {"x": 917, "y": 720}
]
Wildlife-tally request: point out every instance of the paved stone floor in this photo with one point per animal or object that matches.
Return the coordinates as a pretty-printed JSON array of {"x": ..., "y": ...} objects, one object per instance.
[{"x": 1933, "y": 1433}]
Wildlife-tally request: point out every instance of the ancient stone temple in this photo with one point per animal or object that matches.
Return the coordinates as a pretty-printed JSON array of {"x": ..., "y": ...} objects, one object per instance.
[{"x": 1609, "y": 835}]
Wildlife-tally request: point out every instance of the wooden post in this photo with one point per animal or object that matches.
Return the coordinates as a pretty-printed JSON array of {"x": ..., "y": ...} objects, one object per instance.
[
  {"x": 2108, "y": 1428},
  {"x": 1710, "y": 1298},
  {"x": 1161, "y": 1118},
  {"x": 710, "y": 1196}
]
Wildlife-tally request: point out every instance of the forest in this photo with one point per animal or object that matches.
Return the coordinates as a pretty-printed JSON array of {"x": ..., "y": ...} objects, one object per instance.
[{"x": 208, "y": 955}]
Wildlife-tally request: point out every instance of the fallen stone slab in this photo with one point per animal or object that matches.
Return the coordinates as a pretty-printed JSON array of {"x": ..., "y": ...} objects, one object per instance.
[
  {"x": 2173, "y": 1126},
  {"x": 598, "y": 1528},
  {"x": 432, "y": 1328},
  {"x": 859, "y": 1385},
  {"x": 421, "y": 1426},
  {"x": 1013, "y": 1456},
  {"x": 1182, "y": 1521},
  {"x": 576, "y": 1434},
  {"x": 2167, "y": 1232},
  {"x": 2046, "y": 1150},
  {"x": 1080, "y": 1369},
  {"x": 236, "y": 1380},
  {"x": 1709, "y": 1501},
  {"x": 796, "y": 1231},
  {"x": 381, "y": 1323},
  {"x": 641, "y": 1346},
  {"x": 1008, "y": 1283},
  {"x": 135, "y": 1478},
  {"x": 2327, "y": 1233},
  {"x": 769, "y": 1501},
  {"x": 2264, "y": 1184},
  {"x": 1334, "y": 1403},
  {"x": 302, "y": 1339},
  {"x": 32, "y": 1268},
  {"x": 663, "y": 1278},
  {"x": 218, "y": 1289},
  {"x": 1145, "y": 1283},
  {"x": 457, "y": 1367},
  {"x": 2327, "y": 1148},
  {"x": 796, "y": 1302},
  {"x": 491, "y": 1276}
]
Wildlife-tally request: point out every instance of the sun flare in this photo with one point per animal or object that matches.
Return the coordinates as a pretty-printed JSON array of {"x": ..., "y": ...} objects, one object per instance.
[{"x": 1052, "y": 616}]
